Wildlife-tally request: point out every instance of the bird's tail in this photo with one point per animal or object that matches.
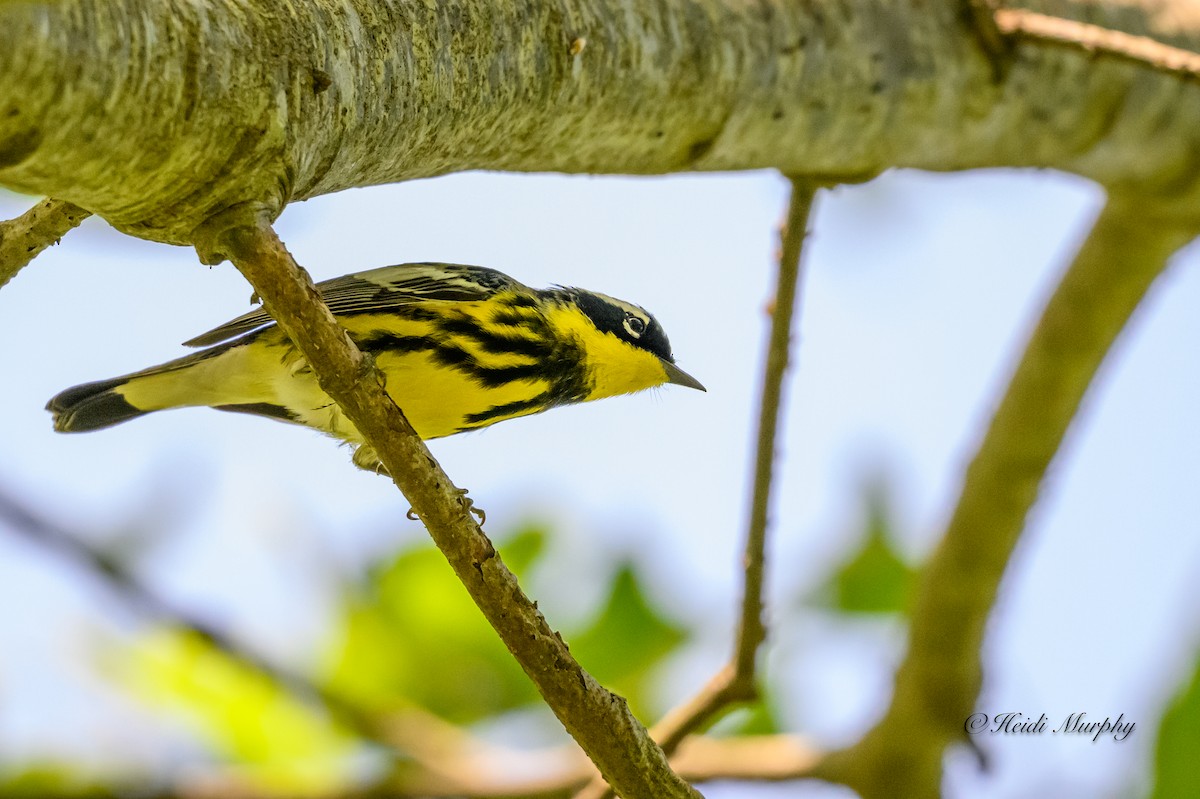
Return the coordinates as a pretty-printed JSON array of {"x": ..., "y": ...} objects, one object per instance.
[{"x": 93, "y": 406}]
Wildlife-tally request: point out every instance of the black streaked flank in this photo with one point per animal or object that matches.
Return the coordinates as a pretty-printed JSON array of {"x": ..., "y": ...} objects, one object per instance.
[
  {"x": 548, "y": 367},
  {"x": 494, "y": 376},
  {"x": 382, "y": 341},
  {"x": 496, "y": 412},
  {"x": 520, "y": 320},
  {"x": 492, "y": 342}
]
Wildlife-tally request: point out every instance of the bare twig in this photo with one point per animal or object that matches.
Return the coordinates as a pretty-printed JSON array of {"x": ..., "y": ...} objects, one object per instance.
[
  {"x": 1021, "y": 24},
  {"x": 21, "y": 239},
  {"x": 997, "y": 29},
  {"x": 756, "y": 758},
  {"x": 937, "y": 685},
  {"x": 735, "y": 682},
  {"x": 599, "y": 721},
  {"x": 752, "y": 631}
]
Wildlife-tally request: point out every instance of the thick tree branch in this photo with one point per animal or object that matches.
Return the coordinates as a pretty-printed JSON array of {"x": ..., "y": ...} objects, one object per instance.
[
  {"x": 21, "y": 239},
  {"x": 600, "y": 721},
  {"x": 205, "y": 107},
  {"x": 937, "y": 685}
]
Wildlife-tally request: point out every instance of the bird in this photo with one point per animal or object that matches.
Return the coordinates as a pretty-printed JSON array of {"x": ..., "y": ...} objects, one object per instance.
[{"x": 459, "y": 347}]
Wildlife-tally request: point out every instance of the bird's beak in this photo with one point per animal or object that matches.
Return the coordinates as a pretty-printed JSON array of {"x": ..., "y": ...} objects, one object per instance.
[{"x": 679, "y": 377}]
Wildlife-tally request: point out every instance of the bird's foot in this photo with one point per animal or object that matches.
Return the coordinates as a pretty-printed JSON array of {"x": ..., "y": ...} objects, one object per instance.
[{"x": 468, "y": 505}]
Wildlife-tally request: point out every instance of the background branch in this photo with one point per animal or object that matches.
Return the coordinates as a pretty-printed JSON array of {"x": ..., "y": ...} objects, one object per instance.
[
  {"x": 23, "y": 238},
  {"x": 937, "y": 685},
  {"x": 753, "y": 758}
]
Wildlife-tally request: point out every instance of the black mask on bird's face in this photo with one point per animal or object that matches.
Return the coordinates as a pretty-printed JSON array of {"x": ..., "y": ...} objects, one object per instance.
[{"x": 636, "y": 326}]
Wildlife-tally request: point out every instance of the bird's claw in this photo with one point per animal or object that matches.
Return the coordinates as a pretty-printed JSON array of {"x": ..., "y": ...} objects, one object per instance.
[{"x": 468, "y": 505}]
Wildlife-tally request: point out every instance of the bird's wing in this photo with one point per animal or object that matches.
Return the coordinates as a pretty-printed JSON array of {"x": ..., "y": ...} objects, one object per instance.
[{"x": 380, "y": 289}]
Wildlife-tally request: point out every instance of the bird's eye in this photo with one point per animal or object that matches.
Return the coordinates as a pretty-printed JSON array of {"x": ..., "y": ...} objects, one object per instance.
[{"x": 634, "y": 326}]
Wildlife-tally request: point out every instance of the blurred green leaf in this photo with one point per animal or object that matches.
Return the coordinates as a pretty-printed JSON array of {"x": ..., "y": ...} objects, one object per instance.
[
  {"x": 757, "y": 719},
  {"x": 628, "y": 638},
  {"x": 1176, "y": 772},
  {"x": 414, "y": 636},
  {"x": 279, "y": 743},
  {"x": 876, "y": 579},
  {"x": 52, "y": 779}
]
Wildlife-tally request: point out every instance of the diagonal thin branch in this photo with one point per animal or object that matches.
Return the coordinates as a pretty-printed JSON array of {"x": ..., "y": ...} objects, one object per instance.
[
  {"x": 21, "y": 239},
  {"x": 735, "y": 682},
  {"x": 598, "y": 720},
  {"x": 938, "y": 683}
]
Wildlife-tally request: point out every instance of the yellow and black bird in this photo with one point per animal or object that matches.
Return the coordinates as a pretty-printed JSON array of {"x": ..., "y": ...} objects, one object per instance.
[{"x": 460, "y": 348}]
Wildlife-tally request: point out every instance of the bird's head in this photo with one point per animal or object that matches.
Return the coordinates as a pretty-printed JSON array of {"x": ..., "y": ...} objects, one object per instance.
[{"x": 624, "y": 347}]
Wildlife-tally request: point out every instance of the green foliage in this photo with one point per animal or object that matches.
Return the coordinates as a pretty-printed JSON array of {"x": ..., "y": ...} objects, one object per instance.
[
  {"x": 409, "y": 636},
  {"x": 280, "y": 743},
  {"x": 52, "y": 779},
  {"x": 1176, "y": 765},
  {"x": 760, "y": 718},
  {"x": 413, "y": 635},
  {"x": 875, "y": 579},
  {"x": 627, "y": 640}
]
